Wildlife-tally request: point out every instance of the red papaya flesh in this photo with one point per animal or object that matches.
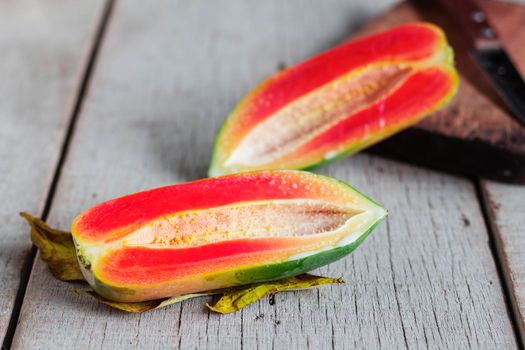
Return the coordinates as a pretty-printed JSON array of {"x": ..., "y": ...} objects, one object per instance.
[
  {"x": 339, "y": 102},
  {"x": 219, "y": 232}
]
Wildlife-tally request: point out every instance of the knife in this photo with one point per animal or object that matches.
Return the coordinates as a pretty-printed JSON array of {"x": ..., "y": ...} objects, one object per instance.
[{"x": 486, "y": 49}]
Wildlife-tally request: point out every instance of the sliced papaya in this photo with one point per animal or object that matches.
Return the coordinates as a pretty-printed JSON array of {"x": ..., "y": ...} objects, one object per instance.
[
  {"x": 219, "y": 232},
  {"x": 58, "y": 251},
  {"x": 338, "y": 102}
]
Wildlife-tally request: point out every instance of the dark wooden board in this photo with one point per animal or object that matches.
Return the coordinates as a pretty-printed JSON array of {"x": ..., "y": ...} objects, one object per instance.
[{"x": 475, "y": 134}]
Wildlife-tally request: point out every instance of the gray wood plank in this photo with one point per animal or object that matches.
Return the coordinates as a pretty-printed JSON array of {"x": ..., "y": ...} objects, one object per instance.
[
  {"x": 168, "y": 74},
  {"x": 506, "y": 209},
  {"x": 44, "y": 46}
]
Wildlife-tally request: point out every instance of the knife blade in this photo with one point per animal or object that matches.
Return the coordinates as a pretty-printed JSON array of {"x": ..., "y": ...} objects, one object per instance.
[
  {"x": 488, "y": 52},
  {"x": 506, "y": 79}
]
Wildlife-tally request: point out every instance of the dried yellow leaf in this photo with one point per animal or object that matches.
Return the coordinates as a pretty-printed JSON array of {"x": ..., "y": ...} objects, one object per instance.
[
  {"x": 56, "y": 249},
  {"x": 235, "y": 300}
]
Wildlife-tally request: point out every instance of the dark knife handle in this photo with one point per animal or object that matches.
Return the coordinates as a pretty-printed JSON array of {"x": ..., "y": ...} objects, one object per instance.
[{"x": 474, "y": 22}]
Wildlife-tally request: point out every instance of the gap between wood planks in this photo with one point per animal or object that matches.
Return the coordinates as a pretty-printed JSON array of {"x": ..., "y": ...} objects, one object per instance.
[
  {"x": 498, "y": 253},
  {"x": 82, "y": 89}
]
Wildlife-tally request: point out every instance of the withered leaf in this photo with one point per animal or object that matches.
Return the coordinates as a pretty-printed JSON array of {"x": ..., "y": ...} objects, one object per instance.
[
  {"x": 56, "y": 249},
  {"x": 235, "y": 300},
  {"x": 145, "y": 305}
]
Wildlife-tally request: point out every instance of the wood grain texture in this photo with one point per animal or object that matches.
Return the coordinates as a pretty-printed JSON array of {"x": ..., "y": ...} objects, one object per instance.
[
  {"x": 44, "y": 47},
  {"x": 506, "y": 209},
  {"x": 167, "y": 75},
  {"x": 506, "y": 203}
]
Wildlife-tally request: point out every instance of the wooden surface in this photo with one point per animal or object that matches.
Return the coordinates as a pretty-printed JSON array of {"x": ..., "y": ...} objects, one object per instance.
[
  {"x": 165, "y": 77},
  {"x": 475, "y": 134},
  {"x": 506, "y": 210},
  {"x": 44, "y": 47},
  {"x": 506, "y": 203}
]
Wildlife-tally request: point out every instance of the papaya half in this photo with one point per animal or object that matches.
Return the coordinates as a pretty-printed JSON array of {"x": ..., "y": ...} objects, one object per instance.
[
  {"x": 219, "y": 232},
  {"x": 338, "y": 102}
]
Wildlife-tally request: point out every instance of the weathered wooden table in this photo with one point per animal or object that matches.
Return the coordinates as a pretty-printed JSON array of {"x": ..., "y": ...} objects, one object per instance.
[{"x": 101, "y": 98}]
